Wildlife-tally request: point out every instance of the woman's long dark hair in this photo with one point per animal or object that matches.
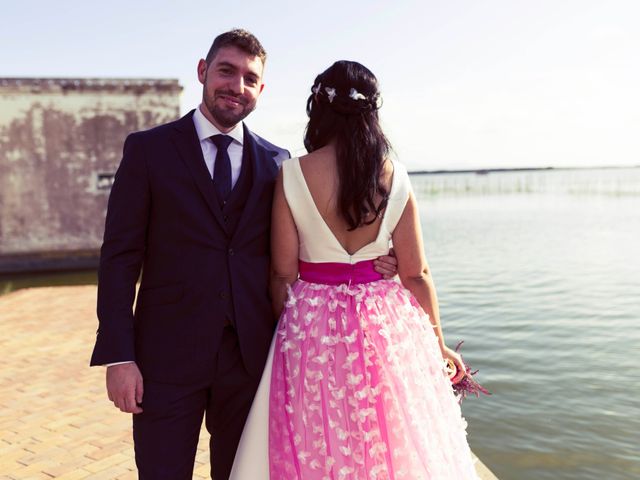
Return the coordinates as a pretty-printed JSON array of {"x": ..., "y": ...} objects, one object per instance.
[{"x": 343, "y": 106}]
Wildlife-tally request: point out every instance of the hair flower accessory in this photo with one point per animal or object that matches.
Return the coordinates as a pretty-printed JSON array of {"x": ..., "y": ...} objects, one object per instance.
[
  {"x": 468, "y": 385},
  {"x": 316, "y": 89},
  {"x": 331, "y": 93},
  {"x": 356, "y": 95}
]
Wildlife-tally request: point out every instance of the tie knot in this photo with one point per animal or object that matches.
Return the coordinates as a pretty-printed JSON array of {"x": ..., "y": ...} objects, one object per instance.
[{"x": 222, "y": 142}]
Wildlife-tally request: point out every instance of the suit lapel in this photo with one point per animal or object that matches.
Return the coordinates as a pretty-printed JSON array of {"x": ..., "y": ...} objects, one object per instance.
[
  {"x": 261, "y": 160},
  {"x": 186, "y": 141}
]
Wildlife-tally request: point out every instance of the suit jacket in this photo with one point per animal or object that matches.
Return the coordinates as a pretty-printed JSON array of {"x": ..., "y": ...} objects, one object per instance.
[{"x": 164, "y": 218}]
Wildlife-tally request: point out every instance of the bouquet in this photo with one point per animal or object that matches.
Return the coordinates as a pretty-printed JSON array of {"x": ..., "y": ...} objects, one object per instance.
[{"x": 467, "y": 384}]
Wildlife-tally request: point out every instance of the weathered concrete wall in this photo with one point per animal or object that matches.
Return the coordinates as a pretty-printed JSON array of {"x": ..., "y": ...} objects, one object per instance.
[{"x": 60, "y": 144}]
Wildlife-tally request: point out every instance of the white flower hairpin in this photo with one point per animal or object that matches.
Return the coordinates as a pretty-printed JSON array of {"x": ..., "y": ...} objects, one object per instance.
[
  {"x": 316, "y": 89},
  {"x": 331, "y": 93},
  {"x": 356, "y": 95}
]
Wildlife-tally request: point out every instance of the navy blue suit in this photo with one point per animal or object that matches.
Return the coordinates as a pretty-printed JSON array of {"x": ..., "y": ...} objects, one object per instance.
[{"x": 203, "y": 323}]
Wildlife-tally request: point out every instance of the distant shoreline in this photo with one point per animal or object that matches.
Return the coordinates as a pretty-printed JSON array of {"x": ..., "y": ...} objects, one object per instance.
[{"x": 485, "y": 171}]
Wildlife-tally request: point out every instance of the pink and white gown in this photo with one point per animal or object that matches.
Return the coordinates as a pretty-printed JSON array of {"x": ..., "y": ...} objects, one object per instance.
[{"x": 354, "y": 386}]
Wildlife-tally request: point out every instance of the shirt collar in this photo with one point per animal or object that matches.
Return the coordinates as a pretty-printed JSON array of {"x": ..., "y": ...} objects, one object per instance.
[{"x": 206, "y": 129}]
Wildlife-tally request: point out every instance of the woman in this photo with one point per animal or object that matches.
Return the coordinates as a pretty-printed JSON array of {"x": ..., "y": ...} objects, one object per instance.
[{"x": 354, "y": 386}]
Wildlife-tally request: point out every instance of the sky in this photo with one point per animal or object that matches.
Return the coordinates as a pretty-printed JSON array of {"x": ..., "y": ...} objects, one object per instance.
[{"x": 466, "y": 84}]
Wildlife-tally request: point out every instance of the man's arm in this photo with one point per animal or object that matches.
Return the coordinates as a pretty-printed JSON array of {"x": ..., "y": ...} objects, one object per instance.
[
  {"x": 121, "y": 259},
  {"x": 121, "y": 256}
]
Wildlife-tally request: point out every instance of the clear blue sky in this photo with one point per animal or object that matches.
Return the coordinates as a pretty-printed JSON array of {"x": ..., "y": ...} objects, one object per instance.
[{"x": 466, "y": 83}]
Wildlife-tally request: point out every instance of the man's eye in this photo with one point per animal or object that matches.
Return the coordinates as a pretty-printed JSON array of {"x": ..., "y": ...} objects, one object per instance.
[{"x": 250, "y": 81}]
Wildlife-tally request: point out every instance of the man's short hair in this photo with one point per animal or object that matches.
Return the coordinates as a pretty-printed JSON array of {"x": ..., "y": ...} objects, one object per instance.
[{"x": 238, "y": 38}]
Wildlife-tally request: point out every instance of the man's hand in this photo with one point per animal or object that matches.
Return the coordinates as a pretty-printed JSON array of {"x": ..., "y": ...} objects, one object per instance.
[
  {"x": 387, "y": 265},
  {"x": 124, "y": 387}
]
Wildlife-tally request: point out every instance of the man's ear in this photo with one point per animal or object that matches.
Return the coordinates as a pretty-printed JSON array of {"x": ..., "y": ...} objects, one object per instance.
[{"x": 202, "y": 70}]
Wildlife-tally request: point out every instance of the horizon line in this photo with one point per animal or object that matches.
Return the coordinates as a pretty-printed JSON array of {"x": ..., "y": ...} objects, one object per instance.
[{"x": 484, "y": 171}]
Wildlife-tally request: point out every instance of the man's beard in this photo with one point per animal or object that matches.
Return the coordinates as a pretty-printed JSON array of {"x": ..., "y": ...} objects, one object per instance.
[{"x": 226, "y": 118}]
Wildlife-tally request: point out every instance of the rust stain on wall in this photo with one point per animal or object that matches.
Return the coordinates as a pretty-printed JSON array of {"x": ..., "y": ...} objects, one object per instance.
[{"x": 60, "y": 143}]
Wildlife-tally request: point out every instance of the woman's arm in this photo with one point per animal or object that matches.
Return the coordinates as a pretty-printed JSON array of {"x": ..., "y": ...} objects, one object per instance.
[
  {"x": 284, "y": 248},
  {"x": 414, "y": 273}
]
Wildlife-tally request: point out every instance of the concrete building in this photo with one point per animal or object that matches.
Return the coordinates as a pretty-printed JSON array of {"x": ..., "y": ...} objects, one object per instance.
[{"x": 60, "y": 144}]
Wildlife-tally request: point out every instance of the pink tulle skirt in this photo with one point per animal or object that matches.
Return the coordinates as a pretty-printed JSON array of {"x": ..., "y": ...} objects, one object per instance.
[{"x": 358, "y": 389}]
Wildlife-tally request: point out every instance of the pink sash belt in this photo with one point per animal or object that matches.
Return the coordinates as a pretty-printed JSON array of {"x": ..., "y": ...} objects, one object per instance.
[{"x": 338, "y": 273}]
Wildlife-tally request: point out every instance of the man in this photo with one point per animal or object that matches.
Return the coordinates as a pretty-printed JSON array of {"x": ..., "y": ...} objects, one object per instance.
[{"x": 191, "y": 207}]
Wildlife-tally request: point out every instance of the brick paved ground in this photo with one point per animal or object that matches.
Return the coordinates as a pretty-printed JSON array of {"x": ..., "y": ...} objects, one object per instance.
[{"x": 55, "y": 419}]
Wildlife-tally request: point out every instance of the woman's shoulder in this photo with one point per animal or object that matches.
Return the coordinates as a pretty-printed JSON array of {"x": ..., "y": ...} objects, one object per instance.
[
  {"x": 398, "y": 166},
  {"x": 289, "y": 164},
  {"x": 320, "y": 156},
  {"x": 399, "y": 173},
  {"x": 401, "y": 185}
]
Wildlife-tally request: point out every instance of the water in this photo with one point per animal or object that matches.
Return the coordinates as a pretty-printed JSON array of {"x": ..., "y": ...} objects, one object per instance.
[
  {"x": 539, "y": 273},
  {"x": 9, "y": 283}
]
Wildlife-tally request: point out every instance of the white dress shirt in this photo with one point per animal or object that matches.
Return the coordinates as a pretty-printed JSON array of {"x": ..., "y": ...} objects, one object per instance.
[{"x": 205, "y": 130}]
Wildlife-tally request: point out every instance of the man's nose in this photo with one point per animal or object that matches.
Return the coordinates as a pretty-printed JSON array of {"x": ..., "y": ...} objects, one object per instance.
[{"x": 237, "y": 85}]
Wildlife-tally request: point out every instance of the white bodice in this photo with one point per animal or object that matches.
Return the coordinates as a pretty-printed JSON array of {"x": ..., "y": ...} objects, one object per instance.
[{"x": 317, "y": 243}]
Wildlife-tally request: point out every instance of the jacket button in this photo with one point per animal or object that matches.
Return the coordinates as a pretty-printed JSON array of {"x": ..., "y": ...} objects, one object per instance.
[
  {"x": 226, "y": 218},
  {"x": 223, "y": 295},
  {"x": 231, "y": 252}
]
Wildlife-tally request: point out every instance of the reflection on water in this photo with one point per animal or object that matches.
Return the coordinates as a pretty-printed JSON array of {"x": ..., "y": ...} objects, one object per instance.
[{"x": 538, "y": 273}]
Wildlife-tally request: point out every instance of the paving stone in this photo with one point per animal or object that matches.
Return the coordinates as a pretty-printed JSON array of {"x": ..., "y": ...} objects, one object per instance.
[{"x": 55, "y": 418}]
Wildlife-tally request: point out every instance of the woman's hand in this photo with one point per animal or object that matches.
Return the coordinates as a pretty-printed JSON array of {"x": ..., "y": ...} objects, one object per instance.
[{"x": 456, "y": 358}]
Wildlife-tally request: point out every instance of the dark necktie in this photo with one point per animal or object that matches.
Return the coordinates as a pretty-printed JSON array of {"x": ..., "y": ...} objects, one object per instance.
[{"x": 222, "y": 167}]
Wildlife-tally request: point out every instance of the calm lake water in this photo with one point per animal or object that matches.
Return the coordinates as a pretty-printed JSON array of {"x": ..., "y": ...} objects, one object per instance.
[{"x": 539, "y": 273}]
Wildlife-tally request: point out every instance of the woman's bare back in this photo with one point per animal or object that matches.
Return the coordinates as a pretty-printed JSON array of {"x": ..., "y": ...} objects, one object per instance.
[{"x": 321, "y": 176}]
